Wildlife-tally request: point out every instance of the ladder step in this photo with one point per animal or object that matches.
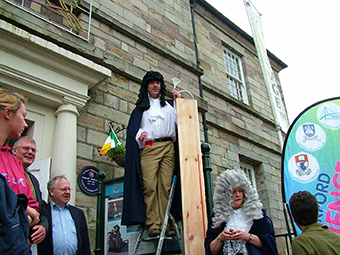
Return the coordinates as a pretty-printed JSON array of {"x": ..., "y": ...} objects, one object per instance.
[
  {"x": 161, "y": 238},
  {"x": 155, "y": 238}
]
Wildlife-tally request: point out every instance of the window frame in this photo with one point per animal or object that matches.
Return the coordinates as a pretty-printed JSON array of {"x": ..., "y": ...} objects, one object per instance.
[
  {"x": 235, "y": 75},
  {"x": 250, "y": 172}
]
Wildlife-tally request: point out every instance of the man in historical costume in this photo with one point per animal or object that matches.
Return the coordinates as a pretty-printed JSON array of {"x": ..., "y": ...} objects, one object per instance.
[{"x": 149, "y": 169}]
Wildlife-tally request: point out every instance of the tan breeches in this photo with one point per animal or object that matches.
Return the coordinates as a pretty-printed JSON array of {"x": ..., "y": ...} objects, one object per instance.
[{"x": 157, "y": 165}]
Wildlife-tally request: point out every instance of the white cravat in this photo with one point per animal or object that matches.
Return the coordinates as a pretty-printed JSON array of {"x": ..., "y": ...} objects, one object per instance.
[
  {"x": 162, "y": 123},
  {"x": 237, "y": 221},
  {"x": 155, "y": 110}
]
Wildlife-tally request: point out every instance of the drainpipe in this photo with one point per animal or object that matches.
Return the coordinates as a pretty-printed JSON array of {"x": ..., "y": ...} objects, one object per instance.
[{"x": 205, "y": 146}]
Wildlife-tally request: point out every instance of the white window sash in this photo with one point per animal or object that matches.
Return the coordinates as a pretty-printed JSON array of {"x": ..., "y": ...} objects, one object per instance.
[
  {"x": 236, "y": 84},
  {"x": 250, "y": 172}
]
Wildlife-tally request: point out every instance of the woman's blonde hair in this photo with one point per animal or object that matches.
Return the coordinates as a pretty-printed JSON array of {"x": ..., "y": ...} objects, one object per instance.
[{"x": 11, "y": 100}]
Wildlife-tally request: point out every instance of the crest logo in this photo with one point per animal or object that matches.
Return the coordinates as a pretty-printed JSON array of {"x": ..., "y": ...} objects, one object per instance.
[
  {"x": 303, "y": 167},
  {"x": 309, "y": 130},
  {"x": 302, "y": 163},
  {"x": 310, "y": 137}
]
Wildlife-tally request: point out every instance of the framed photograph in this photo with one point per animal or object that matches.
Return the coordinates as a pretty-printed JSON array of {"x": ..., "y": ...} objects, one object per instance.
[{"x": 120, "y": 239}]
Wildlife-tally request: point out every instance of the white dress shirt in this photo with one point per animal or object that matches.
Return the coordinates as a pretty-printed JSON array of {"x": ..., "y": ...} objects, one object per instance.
[{"x": 159, "y": 121}]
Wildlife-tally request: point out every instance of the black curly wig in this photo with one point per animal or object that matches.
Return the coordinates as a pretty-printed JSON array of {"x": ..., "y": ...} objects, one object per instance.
[{"x": 143, "y": 97}]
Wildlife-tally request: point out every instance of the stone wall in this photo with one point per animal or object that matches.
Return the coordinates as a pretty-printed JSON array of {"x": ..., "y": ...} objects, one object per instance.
[{"x": 132, "y": 37}]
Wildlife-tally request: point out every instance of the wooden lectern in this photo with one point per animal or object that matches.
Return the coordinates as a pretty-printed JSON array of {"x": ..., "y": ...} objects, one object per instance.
[{"x": 192, "y": 179}]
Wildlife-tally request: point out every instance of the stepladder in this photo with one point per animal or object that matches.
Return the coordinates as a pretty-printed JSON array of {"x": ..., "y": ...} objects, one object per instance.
[{"x": 159, "y": 240}]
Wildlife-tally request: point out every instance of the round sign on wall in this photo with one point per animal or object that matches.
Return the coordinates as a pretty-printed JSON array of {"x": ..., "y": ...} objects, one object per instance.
[{"x": 88, "y": 180}]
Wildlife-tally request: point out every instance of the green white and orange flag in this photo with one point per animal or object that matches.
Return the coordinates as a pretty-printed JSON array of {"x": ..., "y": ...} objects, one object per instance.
[{"x": 110, "y": 142}]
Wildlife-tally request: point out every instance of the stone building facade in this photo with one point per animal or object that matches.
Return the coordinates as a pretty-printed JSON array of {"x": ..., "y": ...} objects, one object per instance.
[{"x": 81, "y": 79}]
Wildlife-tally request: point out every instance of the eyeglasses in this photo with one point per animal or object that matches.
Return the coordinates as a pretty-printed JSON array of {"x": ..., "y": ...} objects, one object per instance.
[
  {"x": 26, "y": 148},
  {"x": 65, "y": 189}
]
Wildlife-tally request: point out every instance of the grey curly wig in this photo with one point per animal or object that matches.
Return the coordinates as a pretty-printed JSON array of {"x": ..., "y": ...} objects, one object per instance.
[
  {"x": 225, "y": 184},
  {"x": 143, "y": 97}
]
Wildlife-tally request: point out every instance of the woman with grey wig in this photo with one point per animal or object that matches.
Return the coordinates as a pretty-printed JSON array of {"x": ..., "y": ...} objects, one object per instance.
[{"x": 239, "y": 224}]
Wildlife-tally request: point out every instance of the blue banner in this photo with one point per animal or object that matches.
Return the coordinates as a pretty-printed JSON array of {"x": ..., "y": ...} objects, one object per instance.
[{"x": 311, "y": 159}]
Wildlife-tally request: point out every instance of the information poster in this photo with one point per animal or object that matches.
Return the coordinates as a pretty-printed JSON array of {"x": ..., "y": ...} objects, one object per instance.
[{"x": 120, "y": 239}]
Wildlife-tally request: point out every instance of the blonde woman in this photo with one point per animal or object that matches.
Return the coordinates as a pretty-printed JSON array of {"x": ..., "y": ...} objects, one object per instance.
[{"x": 12, "y": 124}]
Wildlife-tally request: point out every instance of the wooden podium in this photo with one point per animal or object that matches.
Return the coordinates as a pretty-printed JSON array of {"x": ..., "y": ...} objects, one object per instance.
[{"x": 192, "y": 178}]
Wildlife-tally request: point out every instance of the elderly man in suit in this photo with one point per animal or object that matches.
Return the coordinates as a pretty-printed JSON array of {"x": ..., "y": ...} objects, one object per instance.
[
  {"x": 25, "y": 149},
  {"x": 68, "y": 233}
]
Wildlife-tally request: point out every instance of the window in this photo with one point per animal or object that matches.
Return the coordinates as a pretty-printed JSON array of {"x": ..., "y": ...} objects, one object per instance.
[
  {"x": 236, "y": 84},
  {"x": 67, "y": 15},
  {"x": 249, "y": 170}
]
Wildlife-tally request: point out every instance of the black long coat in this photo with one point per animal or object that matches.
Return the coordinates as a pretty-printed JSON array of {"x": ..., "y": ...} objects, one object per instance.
[
  {"x": 133, "y": 203},
  {"x": 13, "y": 221},
  {"x": 262, "y": 228}
]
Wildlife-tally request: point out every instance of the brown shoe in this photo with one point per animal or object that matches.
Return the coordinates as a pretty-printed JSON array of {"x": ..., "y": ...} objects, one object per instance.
[
  {"x": 170, "y": 233},
  {"x": 154, "y": 232}
]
